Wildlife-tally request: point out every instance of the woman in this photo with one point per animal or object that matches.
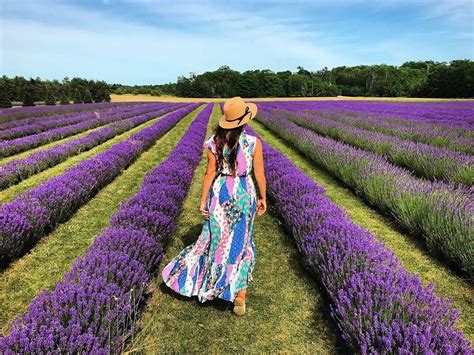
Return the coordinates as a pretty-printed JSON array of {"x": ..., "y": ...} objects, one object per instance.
[{"x": 220, "y": 263}]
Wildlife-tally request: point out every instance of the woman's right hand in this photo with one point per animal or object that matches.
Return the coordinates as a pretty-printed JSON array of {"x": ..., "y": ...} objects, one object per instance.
[
  {"x": 261, "y": 206},
  {"x": 204, "y": 211}
]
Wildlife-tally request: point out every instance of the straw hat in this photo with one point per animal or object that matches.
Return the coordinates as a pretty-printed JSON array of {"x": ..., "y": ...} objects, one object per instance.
[{"x": 237, "y": 112}]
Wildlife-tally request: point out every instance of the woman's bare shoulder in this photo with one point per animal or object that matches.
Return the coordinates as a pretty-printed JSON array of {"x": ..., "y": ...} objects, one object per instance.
[{"x": 210, "y": 144}]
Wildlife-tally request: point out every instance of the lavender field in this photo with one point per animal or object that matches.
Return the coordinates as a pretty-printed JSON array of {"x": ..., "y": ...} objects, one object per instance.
[{"x": 368, "y": 245}]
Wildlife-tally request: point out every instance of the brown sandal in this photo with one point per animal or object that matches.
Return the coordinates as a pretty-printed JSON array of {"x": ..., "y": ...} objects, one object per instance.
[{"x": 239, "y": 306}]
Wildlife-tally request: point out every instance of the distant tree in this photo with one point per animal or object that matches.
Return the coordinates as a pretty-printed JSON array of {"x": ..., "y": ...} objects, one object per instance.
[
  {"x": 64, "y": 99},
  {"x": 87, "y": 97},
  {"x": 50, "y": 100},
  {"x": 4, "y": 101},
  {"x": 28, "y": 98},
  {"x": 78, "y": 97}
]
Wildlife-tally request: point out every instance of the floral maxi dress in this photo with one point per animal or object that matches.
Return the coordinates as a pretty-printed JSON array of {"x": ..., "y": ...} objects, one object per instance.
[{"x": 220, "y": 262}]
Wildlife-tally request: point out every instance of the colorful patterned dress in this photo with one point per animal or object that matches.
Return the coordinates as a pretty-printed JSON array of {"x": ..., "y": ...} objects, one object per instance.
[{"x": 221, "y": 261}]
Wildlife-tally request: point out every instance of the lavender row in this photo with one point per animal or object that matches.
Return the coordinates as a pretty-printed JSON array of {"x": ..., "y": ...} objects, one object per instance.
[
  {"x": 56, "y": 122},
  {"x": 421, "y": 112},
  {"x": 24, "y": 113},
  {"x": 440, "y": 213},
  {"x": 339, "y": 109},
  {"x": 95, "y": 307},
  {"x": 425, "y": 160},
  {"x": 37, "y": 211},
  {"x": 19, "y": 169},
  {"x": 53, "y": 117},
  {"x": 379, "y": 307},
  {"x": 439, "y": 136},
  {"x": 22, "y": 144}
]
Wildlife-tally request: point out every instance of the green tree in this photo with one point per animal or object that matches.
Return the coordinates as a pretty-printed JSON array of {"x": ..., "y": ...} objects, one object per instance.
[
  {"x": 78, "y": 97},
  {"x": 64, "y": 99},
  {"x": 4, "y": 100},
  {"x": 28, "y": 98},
  {"x": 87, "y": 97},
  {"x": 50, "y": 100}
]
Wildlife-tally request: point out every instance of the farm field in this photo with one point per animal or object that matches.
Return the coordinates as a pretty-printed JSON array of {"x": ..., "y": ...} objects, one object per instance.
[
  {"x": 368, "y": 244},
  {"x": 130, "y": 98}
]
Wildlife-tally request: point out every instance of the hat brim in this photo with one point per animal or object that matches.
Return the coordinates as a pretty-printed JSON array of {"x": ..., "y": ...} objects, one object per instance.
[{"x": 229, "y": 125}]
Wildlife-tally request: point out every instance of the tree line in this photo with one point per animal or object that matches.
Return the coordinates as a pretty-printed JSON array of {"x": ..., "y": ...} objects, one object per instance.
[
  {"x": 413, "y": 79},
  {"x": 51, "y": 92}
]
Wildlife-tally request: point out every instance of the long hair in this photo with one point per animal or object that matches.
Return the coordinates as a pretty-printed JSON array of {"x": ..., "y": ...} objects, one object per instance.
[{"x": 230, "y": 137}]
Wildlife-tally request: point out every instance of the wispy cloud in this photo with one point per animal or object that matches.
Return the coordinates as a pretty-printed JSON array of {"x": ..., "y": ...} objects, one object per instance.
[{"x": 144, "y": 41}]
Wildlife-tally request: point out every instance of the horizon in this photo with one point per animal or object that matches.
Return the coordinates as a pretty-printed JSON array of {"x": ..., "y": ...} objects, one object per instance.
[{"x": 192, "y": 37}]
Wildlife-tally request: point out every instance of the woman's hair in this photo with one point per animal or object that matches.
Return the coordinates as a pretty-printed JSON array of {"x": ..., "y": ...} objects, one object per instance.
[{"x": 230, "y": 137}]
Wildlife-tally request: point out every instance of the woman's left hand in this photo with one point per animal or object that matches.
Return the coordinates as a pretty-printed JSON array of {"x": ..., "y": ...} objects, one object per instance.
[{"x": 204, "y": 211}]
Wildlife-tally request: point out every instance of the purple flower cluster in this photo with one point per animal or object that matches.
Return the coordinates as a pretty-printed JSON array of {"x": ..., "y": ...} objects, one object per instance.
[
  {"x": 460, "y": 115},
  {"x": 22, "y": 144},
  {"x": 425, "y": 160},
  {"x": 378, "y": 306},
  {"x": 439, "y": 212},
  {"x": 454, "y": 138},
  {"x": 51, "y": 122},
  {"x": 20, "y": 169},
  {"x": 35, "y": 212},
  {"x": 27, "y": 113},
  {"x": 93, "y": 310}
]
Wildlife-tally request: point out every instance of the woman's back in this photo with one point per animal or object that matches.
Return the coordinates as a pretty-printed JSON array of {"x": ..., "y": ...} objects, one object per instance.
[{"x": 245, "y": 152}]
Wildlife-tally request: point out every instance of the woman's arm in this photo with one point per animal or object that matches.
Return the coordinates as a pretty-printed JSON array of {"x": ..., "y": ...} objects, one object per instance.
[
  {"x": 259, "y": 173},
  {"x": 206, "y": 184}
]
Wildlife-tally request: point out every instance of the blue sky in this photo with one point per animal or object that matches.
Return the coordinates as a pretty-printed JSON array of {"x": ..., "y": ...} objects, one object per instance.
[{"x": 151, "y": 42}]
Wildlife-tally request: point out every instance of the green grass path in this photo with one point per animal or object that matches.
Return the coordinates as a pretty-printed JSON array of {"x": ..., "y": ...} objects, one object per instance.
[
  {"x": 34, "y": 180},
  {"x": 285, "y": 310},
  {"x": 54, "y": 254},
  {"x": 411, "y": 252}
]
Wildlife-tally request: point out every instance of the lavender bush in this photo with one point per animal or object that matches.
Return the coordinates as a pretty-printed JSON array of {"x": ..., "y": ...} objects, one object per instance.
[
  {"x": 94, "y": 309},
  {"x": 453, "y": 116},
  {"x": 453, "y": 138},
  {"x": 425, "y": 160},
  {"x": 35, "y": 212},
  {"x": 51, "y": 122},
  {"x": 22, "y": 144},
  {"x": 440, "y": 213},
  {"x": 379, "y": 307},
  {"x": 19, "y": 169},
  {"x": 27, "y": 113}
]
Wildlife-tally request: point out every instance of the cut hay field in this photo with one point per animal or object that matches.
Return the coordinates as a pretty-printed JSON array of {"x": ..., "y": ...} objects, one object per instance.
[
  {"x": 168, "y": 98},
  {"x": 367, "y": 245}
]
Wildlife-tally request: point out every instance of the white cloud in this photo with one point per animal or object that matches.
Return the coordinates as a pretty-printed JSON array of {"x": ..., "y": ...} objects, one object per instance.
[
  {"x": 87, "y": 41},
  {"x": 53, "y": 39}
]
